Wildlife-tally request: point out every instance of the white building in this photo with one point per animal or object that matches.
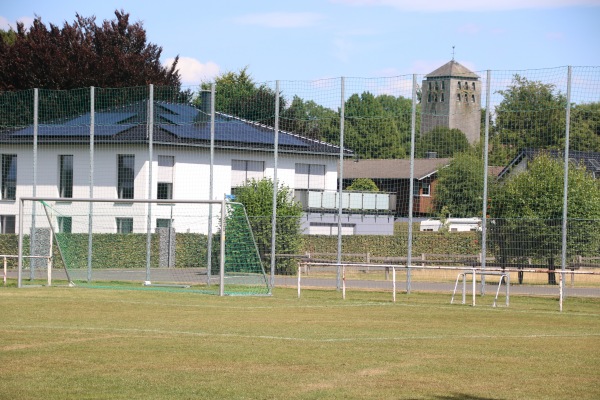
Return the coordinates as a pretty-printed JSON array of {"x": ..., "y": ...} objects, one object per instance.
[{"x": 111, "y": 159}]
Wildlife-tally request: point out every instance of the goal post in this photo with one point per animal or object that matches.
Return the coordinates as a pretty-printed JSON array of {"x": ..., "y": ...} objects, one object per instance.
[{"x": 113, "y": 245}]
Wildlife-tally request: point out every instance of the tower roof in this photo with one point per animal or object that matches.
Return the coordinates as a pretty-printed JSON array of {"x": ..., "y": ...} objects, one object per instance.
[{"x": 452, "y": 69}]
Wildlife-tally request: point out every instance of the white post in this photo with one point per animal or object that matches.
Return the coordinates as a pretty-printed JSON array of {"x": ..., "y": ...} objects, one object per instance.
[
  {"x": 474, "y": 285},
  {"x": 299, "y": 273},
  {"x": 344, "y": 282},
  {"x": 4, "y": 270},
  {"x": 394, "y": 284}
]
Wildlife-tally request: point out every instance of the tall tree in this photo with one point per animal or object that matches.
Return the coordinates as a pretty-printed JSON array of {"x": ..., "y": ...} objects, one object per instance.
[
  {"x": 371, "y": 133},
  {"x": 445, "y": 142},
  {"x": 310, "y": 119},
  {"x": 82, "y": 54},
  {"x": 460, "y": 186},
  {"x": 531, "y": 114},
  {"x": 526, "y": 213},
  {"x": 238, "y": 95}
]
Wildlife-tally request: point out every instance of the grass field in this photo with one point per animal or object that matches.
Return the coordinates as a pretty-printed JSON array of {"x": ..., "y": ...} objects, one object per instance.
[{"x": 72, "y": 343}]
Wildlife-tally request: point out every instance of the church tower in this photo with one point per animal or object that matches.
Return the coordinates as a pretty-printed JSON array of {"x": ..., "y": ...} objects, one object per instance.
[{"x": 451, "y": 97}]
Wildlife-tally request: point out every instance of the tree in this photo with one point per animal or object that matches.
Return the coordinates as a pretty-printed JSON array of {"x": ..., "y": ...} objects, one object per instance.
[
  {"x": 257, "y": 197},
  {"x": 526, "y": 213},
  {"x": 238, "y": 95},
  {"x": 585, "y": 127},
  {"x": 370, "y": 131},
  {"x": 363, "y": 185},
  {"x": 531, "y": 114},
  {"x": 82, "y": 54},
  {"x": 460, "y": 186},
  {"x": 310, "y": 119},
  {"x": 445, "y": 142}
]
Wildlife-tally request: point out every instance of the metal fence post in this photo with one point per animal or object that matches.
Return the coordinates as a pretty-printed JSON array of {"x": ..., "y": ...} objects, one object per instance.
[
  {"x": 341, "y": 181},
  {"x": 275, "y": 187},
  {"x": 411, "y": 184},
  {"x": 563, "y": 260},
  {"x": 485, "y": 179}
]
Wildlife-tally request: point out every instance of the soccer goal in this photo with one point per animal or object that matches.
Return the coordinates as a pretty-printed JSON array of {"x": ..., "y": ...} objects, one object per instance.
[{"x": 204, "y": 246}]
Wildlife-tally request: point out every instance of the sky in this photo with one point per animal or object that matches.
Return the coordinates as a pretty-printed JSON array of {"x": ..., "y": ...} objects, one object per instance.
[{"x": 321, "y": 39}]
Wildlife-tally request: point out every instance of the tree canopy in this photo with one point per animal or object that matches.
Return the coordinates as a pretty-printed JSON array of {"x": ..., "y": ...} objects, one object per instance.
[
  {"x": 82, "y": 54},
  {"x": 257, "y": 197},
  {"x": 237, "y": 94},
  {"x": 526, "y": 211},
  {"x": 445, "y": 142},
  {"x": 459, "y": 189}
]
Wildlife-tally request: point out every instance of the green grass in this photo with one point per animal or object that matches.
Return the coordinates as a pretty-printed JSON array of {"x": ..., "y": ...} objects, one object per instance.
[{"x": 73, "y": 343}]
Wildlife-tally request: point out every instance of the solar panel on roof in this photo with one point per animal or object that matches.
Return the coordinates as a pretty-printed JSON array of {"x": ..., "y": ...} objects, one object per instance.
[{"x": 76, "y": 130}]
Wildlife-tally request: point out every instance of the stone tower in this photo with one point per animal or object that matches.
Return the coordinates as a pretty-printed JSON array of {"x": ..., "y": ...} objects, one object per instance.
[{"x": 451, "y": 96}]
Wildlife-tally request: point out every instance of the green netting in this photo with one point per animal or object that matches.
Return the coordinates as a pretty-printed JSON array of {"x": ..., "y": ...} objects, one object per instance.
[{"x": 163, "y": 259}]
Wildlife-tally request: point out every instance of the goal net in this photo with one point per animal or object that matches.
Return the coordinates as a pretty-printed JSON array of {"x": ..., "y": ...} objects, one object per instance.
[{"x": 204, "y": 246}]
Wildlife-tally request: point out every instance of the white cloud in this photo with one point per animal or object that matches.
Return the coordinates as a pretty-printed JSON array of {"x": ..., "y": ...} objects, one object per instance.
[
  {"x": 468, "y": 5},
  {"x": 192, "y": 71},
  {"x": 5, "y": 24},
  {"x": 280, "y": 19}
]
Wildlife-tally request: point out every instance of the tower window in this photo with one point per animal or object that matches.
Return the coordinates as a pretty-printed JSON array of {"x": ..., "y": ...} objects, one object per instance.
[
  {"x": 459, "y": 87},
  {"x": 472, "y": 98},
  {"x": 466, "y": 85},
  {"x": 457, "y": 96},
  {"x": 437, "y": 86},
  {"x": 443, "y": 85},
  {"x": 436, "y": 98},
  {"x": 429, "y": 86},
  {"x": 466, "y": 98},
  {"x": 429, "y": 97},
  {"x": 473, "y": 85},
  {"x": 442, "y": 96}
]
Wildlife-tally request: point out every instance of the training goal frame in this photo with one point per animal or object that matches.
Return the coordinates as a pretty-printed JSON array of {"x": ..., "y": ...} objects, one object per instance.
[{"x": 220, "y": 209}]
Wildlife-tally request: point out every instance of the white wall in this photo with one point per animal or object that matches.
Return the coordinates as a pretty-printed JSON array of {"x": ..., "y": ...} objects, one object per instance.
[{"x": 191, "y": 178}]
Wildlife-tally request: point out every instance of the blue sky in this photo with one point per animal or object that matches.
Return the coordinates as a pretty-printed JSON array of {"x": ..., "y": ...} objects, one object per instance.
[{"x": 317, "y": 39}]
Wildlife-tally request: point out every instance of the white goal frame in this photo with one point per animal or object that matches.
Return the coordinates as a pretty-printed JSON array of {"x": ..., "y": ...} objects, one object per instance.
[{"x": 221, "y": 203}]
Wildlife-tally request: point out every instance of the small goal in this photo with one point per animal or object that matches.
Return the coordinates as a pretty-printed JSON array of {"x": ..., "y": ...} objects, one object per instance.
[{"x": 191, "y": 245}]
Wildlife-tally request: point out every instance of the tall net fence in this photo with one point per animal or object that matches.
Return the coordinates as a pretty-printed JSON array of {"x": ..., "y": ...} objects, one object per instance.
[{"x": 450, "y": 169}]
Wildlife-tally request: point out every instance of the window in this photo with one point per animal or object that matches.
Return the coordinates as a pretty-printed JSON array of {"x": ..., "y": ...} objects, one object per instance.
[
  {"x": 425, "y": 189},
  {"x": 65, "y": 224},
  {"x": 430, "y": 86},
  {"x": 473, "y": 85},
  {"x": 310, "y": 176},
  {"x": 164, "y": 189},
  {"x": 7, "y": 224},
  {"x": 9, "y": 176},
  {"x": 437, "y": 87},
  {"x": 65, "y": 184},
  {"x": 472, "y": 98},
  {"x": 442, "y": 96},
  {"x": 126, "y": 175},
  {"x": 417, "y": 189},
  {"x": 443, "y": 85},
  {"x": 164, "y": 223},
  {"x": 459, "y": 87},
  {"x": 124, "y": 225},
  {"x": 466, "y": 98},
  {"x": 429, "y": 97},
  {"x": 457, "y": 96},
  {"x": 246, "y": 170}
]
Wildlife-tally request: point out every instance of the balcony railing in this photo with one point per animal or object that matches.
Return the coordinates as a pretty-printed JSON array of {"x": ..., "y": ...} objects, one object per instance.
[{"x": 364, "y": 202}]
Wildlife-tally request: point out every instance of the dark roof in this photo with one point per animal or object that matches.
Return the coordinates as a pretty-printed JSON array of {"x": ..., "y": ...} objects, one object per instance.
[
  {"x": 589, "y": 159},
  {"x": 393, "y": 169},
  {"x": 173, "y": 124},
  {"x": 452, "y": 69}
]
